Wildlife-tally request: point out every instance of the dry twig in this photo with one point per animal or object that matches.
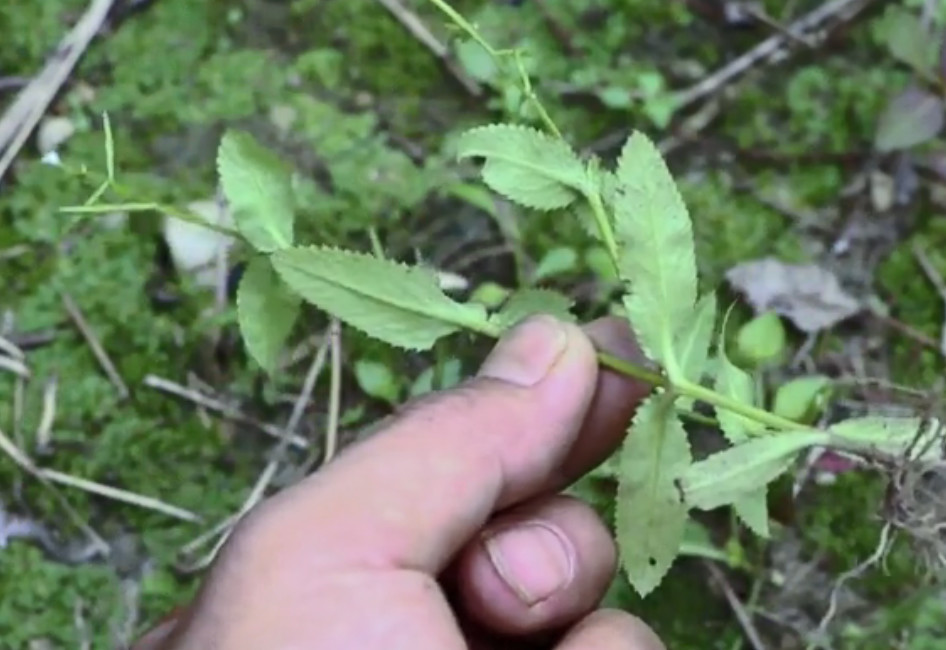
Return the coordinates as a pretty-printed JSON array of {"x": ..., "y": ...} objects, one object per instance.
[
  {"x": 882, "y": 547},
  {"x": 269, "y": 472},
  {"x": 48, "y": 414},
  {"x": 225, "y": 410},
  {"x": 739, "y": 610},
  {"x": 21, "y": 459},
  {"x": 27, "y": 110},
  {"x": 937, "y": 280},
  {"x": 26, "y": 463},
  {"x": 96, "y": 346},
  {"x": 771, "y": 49}
]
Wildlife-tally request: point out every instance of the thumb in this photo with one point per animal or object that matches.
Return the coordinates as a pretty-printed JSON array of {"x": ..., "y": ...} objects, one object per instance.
[{"x": 416, "y": 491}]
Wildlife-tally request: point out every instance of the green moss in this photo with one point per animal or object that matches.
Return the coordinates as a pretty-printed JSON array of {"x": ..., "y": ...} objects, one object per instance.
[
  {"x": 913, "y": 299},
  {"x": 680, "y": 612},
  {"x": 844, "y": 524},
  {"x": 730, "y": 228},
  {"x": 40, "y": 599},
  {"x": 32, "y": 30}
]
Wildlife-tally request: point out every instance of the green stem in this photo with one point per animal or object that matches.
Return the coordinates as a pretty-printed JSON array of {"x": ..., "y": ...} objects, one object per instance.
[
  {"x": 604, "y": 228},
  {"x": 751, "y": 412},
  {"x": 524, "y": 80},
  {"x": 629, "y": 369},
  {"x": 675, "y": 380},
  {"x": 133, "y": 206},
  {"x": 530, "y": 94},
  {"x": 463, "y": 24}
]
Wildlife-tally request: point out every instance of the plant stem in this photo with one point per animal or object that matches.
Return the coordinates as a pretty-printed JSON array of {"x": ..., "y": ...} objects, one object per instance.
[
  {"x": 463, "y": 24},
  {"x": 530, "y": 94},
  {"x": 527, "y": 89},
  {"x": 604, "y": 228},
  {"x": 133, "y": 206},
  {"x": 718, "y": 399},
  {"x": 629, "y": 369}
]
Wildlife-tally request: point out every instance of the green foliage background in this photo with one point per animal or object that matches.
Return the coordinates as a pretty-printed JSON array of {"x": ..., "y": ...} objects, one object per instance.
[{"x": 369, "y": 117}]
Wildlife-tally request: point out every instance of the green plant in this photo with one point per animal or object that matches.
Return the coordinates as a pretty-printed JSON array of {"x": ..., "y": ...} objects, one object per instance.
[{"x": 637, "y": 216}]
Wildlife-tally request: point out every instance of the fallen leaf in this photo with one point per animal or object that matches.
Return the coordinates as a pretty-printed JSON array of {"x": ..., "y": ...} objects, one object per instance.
[
  {"x": 808, "y": 295},
  {"x": 911, "y": 118}
]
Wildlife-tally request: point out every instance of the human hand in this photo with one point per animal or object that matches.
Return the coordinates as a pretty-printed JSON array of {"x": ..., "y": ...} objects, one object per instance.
[{"x": 444, "y": 530}]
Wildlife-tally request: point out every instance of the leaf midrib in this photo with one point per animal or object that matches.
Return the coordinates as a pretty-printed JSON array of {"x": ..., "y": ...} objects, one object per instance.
[
  {"x": 451, "y": 318},
  {"x": 544, "y": 171}
]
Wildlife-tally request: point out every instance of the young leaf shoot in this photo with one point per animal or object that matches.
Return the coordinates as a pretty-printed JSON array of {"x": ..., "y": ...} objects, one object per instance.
[{"x": 258, "y": 187}]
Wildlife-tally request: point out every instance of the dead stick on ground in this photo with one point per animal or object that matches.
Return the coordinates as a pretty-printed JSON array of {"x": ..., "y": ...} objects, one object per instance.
[
  {"x": 266, "y": 477},
  {"x": 937, "y": 280},
  {"x": 882, "y": 547},
  {"x": 418, "y": 30},
  {"x": 100, "y": 354},
  {"x": 335, "y": 393},
  {"x": 27, "y": 110},
  {"x": 11, "y": 349},
  {"x": 743, "y": 616},
  {"x": 769, "y": 48},
  {"x": 25, "y": 463},
  {"x": 225, "y": 410},
  {"x": 47, "y": 416},
  {"x": 14, "y": 366}
]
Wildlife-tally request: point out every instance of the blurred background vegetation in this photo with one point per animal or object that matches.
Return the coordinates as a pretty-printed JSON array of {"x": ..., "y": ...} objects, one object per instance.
[{"x": 826, "y": 151}]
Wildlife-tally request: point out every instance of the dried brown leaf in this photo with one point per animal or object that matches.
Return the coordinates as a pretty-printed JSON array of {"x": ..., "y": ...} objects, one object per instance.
[{"x": 808, "y": 295}]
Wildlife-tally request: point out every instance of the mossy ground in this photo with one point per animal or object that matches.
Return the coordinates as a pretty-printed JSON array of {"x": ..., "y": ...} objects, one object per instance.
[{"x": 362, "y": 108}]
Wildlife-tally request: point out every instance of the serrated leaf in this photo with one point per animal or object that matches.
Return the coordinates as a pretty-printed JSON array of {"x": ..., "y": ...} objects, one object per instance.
[
  {"x": 911, "y": 118},
  {"x": 801, "y": 398},
  {"x": 266, "y": 312},
  {"x": 728, "y": 476},
  {"x": 650, "y": 517},
  {"x": 921, "y": 437},
  {"x": 259, "y": 189},
  {"x": 398, "y": 304},
  {"x": 694, "y": 343},
  {"x": 656, "y": 240},
  {"x": 753, "y": 510},
  {"x": 528, "y": 302},
  {"x": 525, "y": 165}
]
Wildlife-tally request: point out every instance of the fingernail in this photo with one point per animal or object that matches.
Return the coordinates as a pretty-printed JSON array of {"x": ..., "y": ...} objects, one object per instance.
[
  {"x": 526, "y": 354},
  {"x": 536, "y": 560}
]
